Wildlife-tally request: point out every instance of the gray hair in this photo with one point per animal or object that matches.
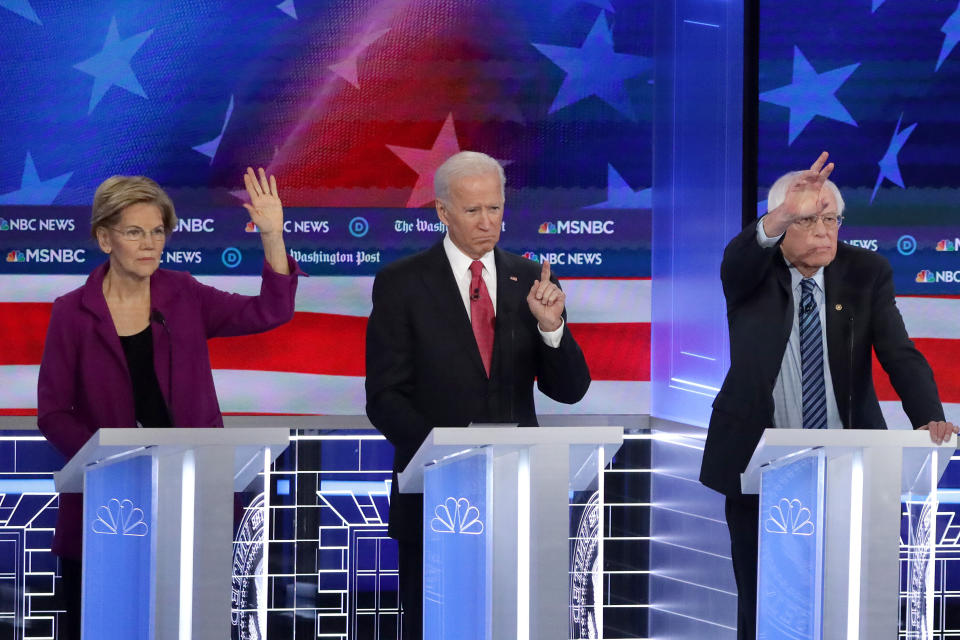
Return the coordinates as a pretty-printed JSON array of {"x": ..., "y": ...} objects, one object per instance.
[
  {"x": 116, "y": 193},
  {"x": 778, "y": 192},
  {"x": 465, "y": 163}
]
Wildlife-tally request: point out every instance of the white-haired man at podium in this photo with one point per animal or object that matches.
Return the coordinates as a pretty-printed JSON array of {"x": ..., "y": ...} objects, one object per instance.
[
  {"x": 458, "y": 334},
  {"x": 805, "y": 315}
]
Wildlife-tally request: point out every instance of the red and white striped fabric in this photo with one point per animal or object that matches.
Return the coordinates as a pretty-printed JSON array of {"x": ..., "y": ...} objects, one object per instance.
[{"x": 315, "y": 364}]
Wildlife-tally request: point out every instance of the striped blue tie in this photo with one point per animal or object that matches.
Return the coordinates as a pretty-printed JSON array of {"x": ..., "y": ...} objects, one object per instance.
[{"x": 811, "y": 359}]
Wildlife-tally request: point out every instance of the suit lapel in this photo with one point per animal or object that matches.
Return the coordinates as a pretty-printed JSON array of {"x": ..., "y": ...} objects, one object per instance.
[
  {"x": 93, "y": 301},
  {"x": 783, "y": 279},
  {"x": 839, "y": 312},
  {"x": 444, "y": 293},
  {"x": 510, "y": 293}
]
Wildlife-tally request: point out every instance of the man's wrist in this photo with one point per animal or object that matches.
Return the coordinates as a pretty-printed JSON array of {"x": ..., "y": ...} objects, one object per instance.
[
  {"x": 764, "y": 238},
  {"x": 551, "y": 338}
]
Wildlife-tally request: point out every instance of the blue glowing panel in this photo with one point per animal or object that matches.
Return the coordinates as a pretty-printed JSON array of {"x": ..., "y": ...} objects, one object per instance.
[
  {"x": 456, "y": 549},
  {"x": 789, "y": 601},
  {"x": 117, "y": 541}
]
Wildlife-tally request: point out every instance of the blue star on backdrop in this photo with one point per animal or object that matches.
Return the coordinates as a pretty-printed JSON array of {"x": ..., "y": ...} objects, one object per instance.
[
  {"x": 33, "y": 190},
  {"x": 621, "y": 196},
  {"x": 889, "y": 165},
  {"x": 559, "y": 7},
  {"x": 209, "y": 148},
  {"x": 111, "y": 66},
  {"x": 22, "y": 8},
  {"x": 288, "y": 8},
  {"x": 951, "y": 36},
  {"x": 811, "y": 94},
  {"x": 595, "y": 69}
]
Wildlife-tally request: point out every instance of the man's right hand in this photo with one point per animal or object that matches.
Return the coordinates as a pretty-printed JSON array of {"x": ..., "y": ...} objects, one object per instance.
[{"x": 802, "y": 198}]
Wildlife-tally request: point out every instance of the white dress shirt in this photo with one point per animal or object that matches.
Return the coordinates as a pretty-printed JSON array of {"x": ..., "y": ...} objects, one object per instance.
[
  {"x": 460, "y": 265},
  {"x": 788, "y": 390}
]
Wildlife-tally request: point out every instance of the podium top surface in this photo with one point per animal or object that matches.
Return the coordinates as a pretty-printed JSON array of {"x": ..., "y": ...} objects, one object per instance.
[
  {"x": 443, "y": 442},
  {"x": 116, "y": 443},
  {"x": 776, "y": 444}
]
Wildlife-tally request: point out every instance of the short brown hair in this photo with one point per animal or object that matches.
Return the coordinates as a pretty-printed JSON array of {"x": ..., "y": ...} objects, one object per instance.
[{"x": 116, "y": 193}]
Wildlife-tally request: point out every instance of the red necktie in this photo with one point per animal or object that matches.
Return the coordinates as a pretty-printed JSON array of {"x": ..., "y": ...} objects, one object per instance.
[{"x": 481, "y": 314}]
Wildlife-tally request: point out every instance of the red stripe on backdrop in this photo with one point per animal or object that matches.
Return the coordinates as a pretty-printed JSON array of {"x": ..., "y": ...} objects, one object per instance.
[
  {"x": 23, "y": 326},
  {"x": 310, "y": 343},
  {"x": 943, "y": 355},
  {"x": 330, "y": 344},
  {"x": 334, "y": 345}
]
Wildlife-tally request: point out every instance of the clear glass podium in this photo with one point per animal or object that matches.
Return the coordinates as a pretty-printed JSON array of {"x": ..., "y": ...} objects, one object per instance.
[
  {"x": 158, "y": 526},
  {"x": 496, "y": 526},
  {"x": 829, "y": 529}
]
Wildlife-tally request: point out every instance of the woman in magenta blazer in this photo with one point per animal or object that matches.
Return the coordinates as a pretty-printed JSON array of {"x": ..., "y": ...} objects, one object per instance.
[{"x": 128, "y": 348}]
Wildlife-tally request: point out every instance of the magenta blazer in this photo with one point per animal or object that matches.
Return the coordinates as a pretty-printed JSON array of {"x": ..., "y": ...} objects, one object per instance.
[{"x": 84, "y": 383}]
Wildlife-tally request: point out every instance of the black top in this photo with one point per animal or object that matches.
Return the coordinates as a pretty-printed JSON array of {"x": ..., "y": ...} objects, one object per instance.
[{"x": 148, "y": 402}]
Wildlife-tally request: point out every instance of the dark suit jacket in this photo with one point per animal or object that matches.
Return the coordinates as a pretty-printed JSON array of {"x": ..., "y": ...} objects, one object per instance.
[
  {"x": 861, "y": 314},
  {"x": 84, "y": 383},
  {"x": 424, "y": 368}
]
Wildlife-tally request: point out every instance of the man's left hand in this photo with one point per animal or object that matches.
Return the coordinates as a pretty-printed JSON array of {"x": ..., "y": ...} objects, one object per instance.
[
  {"x": 940, "y": 431},
  {"x": 546, "y": 301}
]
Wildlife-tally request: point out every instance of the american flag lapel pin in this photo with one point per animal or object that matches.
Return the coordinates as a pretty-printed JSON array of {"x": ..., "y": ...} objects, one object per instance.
[{"x": 514, "y": 278}]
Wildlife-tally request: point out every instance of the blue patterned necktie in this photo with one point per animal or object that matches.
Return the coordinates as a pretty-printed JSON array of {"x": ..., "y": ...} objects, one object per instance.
[{"x": 811, "y": 359}]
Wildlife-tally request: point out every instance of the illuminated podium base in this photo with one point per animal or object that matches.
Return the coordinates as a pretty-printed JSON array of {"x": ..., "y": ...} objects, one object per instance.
[
  {"x": 830, "y": 515},
  {"x": 496, "y": 526},
  {"x": 158, "y": 526}
]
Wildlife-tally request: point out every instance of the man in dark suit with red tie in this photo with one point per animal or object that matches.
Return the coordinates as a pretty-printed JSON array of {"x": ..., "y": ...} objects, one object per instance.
[{"x": 458, "y": 334}]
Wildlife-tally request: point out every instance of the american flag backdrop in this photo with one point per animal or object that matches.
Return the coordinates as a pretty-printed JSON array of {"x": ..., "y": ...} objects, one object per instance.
[{"x": 352, "y": 104}]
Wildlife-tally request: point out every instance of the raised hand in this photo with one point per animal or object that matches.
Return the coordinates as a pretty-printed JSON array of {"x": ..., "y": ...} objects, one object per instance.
[
  {"x": 265, "y": 208},
  {"x": 546, "y": 301},
  {"x": 803, "y": 194},
  {"x": 803, "y": 198}
]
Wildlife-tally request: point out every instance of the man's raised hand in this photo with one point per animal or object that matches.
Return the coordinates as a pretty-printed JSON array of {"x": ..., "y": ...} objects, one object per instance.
[
  {"x": 803, "y": 197},
  {"x": 546, "y": 301}
]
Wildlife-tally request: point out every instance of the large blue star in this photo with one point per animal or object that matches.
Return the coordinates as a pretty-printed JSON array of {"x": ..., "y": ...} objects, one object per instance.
[
  {"x": 621, "y": 196},
  {"x": 33, "y": 190},
  {"x": 889, "y": 165},
  {"x": 22, "y": 8},
  {"x": 951, "y": 36},
  {"x": 594, "y": 69},
  {"x": 112, "y": 65},
  {"x": 811, "y": 94}
]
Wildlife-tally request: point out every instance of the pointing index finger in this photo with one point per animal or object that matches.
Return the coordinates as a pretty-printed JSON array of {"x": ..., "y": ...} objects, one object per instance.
[{"x": 545, "y": 271}]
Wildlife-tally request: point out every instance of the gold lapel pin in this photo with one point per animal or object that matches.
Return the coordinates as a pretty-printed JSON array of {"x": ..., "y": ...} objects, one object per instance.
[{"x": 839, "y": 307}]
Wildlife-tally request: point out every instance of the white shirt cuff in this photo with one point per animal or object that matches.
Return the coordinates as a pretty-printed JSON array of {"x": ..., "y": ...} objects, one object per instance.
[
  {"x": 552, "y": 338},
  {"x": 763, "y": 239}
]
